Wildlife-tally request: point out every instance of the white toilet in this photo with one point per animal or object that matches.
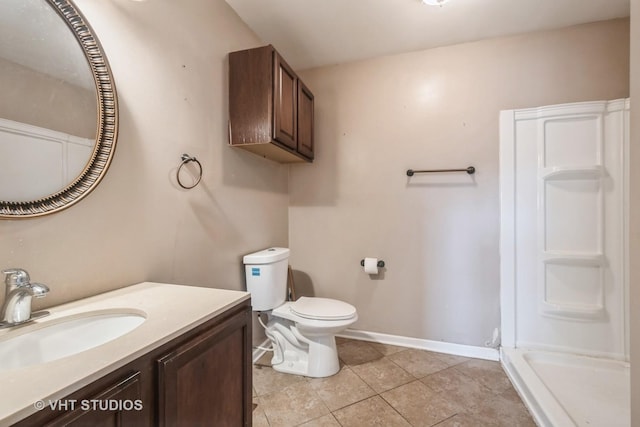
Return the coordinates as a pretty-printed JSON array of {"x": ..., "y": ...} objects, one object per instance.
[{"x": 302, "y": 333}]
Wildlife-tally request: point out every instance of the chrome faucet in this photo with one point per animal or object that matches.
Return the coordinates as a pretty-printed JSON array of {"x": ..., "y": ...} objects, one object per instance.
[{"x": 17, "y": 301}]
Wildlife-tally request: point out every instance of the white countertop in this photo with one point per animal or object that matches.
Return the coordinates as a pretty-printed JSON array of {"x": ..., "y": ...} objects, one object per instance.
[{"x": 170, "y": 310}]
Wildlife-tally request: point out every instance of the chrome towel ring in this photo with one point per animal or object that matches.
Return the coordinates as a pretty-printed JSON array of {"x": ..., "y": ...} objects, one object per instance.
[{"x": 186, "y": 159}]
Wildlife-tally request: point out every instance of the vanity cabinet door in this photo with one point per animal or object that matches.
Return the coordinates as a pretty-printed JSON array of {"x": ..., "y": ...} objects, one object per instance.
[
  {"x": 207, "y": 381},
  {"x": 117, "y": 406}
]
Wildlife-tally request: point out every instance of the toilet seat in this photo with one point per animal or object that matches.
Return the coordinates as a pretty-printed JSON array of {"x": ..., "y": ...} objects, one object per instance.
[
  {"x": 322, "y": 309},
  {"x": 285, "y": 312}
]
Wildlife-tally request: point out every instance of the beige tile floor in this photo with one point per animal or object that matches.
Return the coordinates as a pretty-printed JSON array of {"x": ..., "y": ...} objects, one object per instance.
[{"x": 384, "y": 385}]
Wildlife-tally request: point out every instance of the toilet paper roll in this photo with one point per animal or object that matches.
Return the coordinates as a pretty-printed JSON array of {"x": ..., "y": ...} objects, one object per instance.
[{"x": 371, "y": 265}]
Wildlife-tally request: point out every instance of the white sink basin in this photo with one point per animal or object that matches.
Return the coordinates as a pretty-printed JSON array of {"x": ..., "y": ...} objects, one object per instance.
[{"x": 47, "y": 341}]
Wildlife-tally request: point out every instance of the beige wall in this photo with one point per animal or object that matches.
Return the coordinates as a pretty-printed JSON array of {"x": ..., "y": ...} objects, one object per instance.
[
  {"x": 634, "y": 255},
  {"x": 138, "y": 225},
  {"x": 437, "y": 234}
]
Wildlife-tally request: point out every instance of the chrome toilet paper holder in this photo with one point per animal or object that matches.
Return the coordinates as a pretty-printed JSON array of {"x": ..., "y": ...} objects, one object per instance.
[{"x": 380, "y": 263}]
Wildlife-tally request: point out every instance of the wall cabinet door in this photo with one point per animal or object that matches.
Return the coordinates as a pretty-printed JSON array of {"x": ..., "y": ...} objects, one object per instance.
[
  {"x": 207, "y": 381},
  {"x": 285, "y": 111},
  {"x": 305, "y": 121}
]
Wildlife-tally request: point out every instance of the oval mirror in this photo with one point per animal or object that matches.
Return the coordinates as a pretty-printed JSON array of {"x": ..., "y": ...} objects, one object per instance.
[{"x": 58, "y": 109}]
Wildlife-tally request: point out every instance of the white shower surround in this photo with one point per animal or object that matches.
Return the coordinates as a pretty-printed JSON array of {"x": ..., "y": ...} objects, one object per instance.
[{"x": 598, "y": 318}]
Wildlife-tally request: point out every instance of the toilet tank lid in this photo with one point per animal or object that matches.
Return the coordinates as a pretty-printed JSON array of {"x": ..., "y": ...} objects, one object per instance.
[{"x": 266, "y": 256}]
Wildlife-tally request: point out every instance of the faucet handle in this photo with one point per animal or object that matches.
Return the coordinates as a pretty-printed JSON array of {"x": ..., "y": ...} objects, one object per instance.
[{"x": 16, "y": 277}]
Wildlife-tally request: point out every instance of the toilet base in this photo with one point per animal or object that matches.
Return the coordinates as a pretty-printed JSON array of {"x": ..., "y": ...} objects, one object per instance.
[{"x": 309, "y": 355}]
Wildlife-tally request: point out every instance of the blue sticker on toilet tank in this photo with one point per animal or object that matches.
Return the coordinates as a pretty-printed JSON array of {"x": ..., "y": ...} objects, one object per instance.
[{"x": 255, "y": 271}]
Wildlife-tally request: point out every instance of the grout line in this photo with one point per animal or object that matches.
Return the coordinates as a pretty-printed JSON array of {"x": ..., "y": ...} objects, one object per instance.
[{"x": 446, "y": 419}]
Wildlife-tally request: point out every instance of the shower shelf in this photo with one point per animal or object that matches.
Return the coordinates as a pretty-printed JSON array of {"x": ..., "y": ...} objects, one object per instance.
[
  {"x": 583, "y": 312},
  {"x": 588, "y": 172},
  {"x": 572, "y": 259}
]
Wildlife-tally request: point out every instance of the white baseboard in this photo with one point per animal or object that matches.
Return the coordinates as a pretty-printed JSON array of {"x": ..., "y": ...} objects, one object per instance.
[
  {"x": 486, "y": 353},
  {"x": 475, "y": 352}
]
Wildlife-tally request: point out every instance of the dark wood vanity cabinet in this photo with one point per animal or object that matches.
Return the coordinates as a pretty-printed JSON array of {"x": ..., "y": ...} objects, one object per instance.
[
  {"x": 270, "y": 108},
  {"x": 206, "y": 381},
  {"x": 201, "y": 378}
]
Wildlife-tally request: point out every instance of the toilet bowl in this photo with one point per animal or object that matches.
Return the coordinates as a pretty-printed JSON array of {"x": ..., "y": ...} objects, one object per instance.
[{"x": 302, "y": 332}]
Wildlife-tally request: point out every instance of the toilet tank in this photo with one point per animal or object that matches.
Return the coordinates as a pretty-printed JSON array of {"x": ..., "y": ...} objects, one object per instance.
[{"x": 266, "y": 274}]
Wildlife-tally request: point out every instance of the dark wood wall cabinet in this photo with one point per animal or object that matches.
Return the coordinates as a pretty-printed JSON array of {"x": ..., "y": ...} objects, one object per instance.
[
  {"x": 201, "y": 378},
  {"x": 270, "y": 108}
]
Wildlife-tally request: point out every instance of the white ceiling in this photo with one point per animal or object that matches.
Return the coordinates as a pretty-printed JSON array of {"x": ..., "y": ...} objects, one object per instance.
[{"x": 312, "y": 33}]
